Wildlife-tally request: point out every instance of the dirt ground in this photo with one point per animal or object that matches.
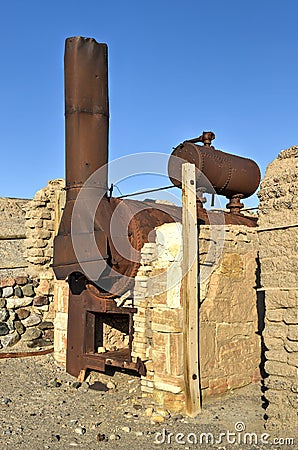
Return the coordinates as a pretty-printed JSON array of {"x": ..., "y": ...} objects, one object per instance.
[{"x": 42, "y": 407}]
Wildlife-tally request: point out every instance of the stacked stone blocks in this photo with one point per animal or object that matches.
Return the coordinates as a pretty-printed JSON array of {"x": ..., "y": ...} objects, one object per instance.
[{"x": 278, "y": 236}]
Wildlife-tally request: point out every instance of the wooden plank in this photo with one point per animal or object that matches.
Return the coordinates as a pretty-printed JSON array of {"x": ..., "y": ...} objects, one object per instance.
[{"x": 190, "y": 292}]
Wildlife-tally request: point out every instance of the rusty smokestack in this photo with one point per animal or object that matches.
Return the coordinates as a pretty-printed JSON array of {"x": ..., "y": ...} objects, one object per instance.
[
  {"x": 86, "y": 136},
  {"x": 86, "y": 110}
]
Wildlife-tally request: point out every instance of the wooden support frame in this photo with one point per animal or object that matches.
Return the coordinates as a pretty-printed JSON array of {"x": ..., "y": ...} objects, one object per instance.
[{"x": 190, "y": 292}]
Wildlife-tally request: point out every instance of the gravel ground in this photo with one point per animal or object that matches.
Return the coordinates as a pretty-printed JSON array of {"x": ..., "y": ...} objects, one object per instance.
[{"x": 42, "y": 407}]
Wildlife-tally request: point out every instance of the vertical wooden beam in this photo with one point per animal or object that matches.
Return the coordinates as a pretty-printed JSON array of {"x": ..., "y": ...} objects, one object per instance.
[{"x": 190, "y": 292}]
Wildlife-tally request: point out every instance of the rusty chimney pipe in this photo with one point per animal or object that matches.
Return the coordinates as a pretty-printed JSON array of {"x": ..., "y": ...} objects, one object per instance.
[
  {"x": 86, "y": 111},
  {"x": 86, "y": 135}
]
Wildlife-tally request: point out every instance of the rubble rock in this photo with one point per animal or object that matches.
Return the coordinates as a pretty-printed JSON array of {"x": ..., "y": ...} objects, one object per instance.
[
  {"x": 10, "y": 339},
  {"x": 7, "y": 292},
  {"x": 28, "y": 290},
  {"x": 31, "y": 334},
  {"x": 32, "y": 320}
]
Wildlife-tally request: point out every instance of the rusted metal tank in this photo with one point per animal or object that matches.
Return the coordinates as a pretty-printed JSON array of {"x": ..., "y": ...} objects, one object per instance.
[{"x": 227, "y": 174}]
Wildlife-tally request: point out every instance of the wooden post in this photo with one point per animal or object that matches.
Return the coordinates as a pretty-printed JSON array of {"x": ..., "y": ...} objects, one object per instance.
[{"x": 190, "y": 292}]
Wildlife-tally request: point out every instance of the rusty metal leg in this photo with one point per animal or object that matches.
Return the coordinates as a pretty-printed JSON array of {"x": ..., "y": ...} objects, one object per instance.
[{"x": 75, "y": 334}]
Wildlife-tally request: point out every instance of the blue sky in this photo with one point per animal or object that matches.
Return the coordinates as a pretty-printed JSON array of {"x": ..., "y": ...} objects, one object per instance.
[{"x": 175, "y": 69}]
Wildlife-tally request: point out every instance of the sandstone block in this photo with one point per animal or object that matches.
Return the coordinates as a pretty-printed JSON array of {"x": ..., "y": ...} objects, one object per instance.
[
  {"x": 293, "y": 333},
  {"x": 277, "y": 355},
  {"x": 275, "y": 315},
  {"x": 291, "y": 346},
  {"x": 280, "y": 369},
  {"x": 291, "y": 316},
  {"x": 167, "y": 320},
  {"x": 170, "y": 401}
]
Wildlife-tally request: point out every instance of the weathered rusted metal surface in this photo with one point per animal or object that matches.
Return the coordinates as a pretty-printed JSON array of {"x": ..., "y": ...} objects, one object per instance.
[
  {"x": 86, "y": 110},
  {"x": 86, "y": 130},
  {"x": 227, "y": 174},
  {"x": 81, "y": 334}
]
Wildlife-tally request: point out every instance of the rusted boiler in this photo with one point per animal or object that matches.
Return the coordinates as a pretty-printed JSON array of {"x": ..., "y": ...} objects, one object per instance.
[{"x": 98, "y": 255}]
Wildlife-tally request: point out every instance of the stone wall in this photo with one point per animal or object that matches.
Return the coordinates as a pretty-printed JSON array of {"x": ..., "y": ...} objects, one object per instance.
[
  {"x": 12, "y": 237},
  {"x": 230, "y": 350},
  {"x": 278, "y": 236},
  {"x": 26, "y": 292}
]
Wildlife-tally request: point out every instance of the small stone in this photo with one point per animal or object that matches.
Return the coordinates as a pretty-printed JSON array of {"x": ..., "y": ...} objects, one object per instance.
[
  {"x": 163, "y": 412},
  {"x": 55, "y": 438},
  {"x": 13, "y": 303},
  {"x": 73, "y": 422},
  {"x": 28, "y": 290},
  {"x": 4, "y": 314},
  {"x": 101, "y": 350},
  {"x": 7, "y": 292},
  {"x": 101, "y": 437},
  {"x": 46, "y": 326},
  {"x": 80, "y": 430},
  {"x": 137, "y": 407},
  {"x": 126, "y": 429},
  {"x": 10, "y": 324},
  {"x": 18, "y": 292},
  {"x": 41, "y": 300},
  {"x": 6, "y": 401},
  {"x": 55, "y": 383},
  {"x": 32, "y": 320},
  {"x": 10, "y": 339},
  {"x": 128, "y": 415},
  {"x": 49, "y": 335},
  {"x": 38, "y": 343},
  {"x": 98, "y": 386},
  {"x": 114, "y": 437},
  {"x": 157, "y": 418},
  {"x": 178, "y": 417},
  {"x": 76, "y": 384},
  {"x": 2, "y": 302},
  {"x": 23, "y": 313},
  {"x": 138, "y": 433},
  {"x": 149, "y": 411},
  {"x": 31, "y": 334},
  {"x": 3, "y": 329},
  {"x": 111, "y": 385},
  {"x": 21, "y": 280},
  {"x": 84, "y": 386}
]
